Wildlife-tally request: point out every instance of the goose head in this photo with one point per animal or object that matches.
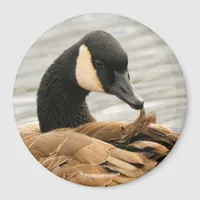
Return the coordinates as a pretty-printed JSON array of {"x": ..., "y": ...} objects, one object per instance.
[
  {"x": 97, "y": 62},
  {"x": 102, "y": 66}
]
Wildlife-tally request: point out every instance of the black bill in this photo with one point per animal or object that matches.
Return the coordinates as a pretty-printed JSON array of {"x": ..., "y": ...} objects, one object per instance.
[{"x": 122, "y": 88}]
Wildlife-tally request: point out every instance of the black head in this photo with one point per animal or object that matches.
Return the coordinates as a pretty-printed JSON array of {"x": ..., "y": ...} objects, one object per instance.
[{"x": 102, "y": 66}]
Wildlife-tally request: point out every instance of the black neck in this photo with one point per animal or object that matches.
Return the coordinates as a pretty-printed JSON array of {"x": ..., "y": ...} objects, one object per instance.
[{"x": 61, "y": 102}]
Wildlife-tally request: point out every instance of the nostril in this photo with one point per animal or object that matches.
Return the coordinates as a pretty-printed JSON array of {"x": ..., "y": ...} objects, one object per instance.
[{"x": 123, "y": 90}]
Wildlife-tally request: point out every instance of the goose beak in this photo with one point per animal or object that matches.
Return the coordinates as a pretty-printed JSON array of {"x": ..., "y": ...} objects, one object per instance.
[{"x": 123, "y": 89}]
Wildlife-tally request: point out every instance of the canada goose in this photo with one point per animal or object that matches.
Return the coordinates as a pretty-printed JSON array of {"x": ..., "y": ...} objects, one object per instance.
[{"x": 69, "y": 142}]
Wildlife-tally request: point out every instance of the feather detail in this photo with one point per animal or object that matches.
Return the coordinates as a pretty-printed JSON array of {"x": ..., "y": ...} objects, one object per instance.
[{"x": 101, "y": 154}]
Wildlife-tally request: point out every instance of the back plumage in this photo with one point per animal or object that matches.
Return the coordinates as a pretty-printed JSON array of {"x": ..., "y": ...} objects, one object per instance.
[{"x": 101, "y": 153}]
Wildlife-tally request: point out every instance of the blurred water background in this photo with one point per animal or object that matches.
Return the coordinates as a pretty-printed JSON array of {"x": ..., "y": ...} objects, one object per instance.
[{"x": 154, "y": 70}]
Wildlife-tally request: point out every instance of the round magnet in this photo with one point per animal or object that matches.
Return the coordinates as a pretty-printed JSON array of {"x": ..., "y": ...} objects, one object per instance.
[{"x": 100, "y": 100}]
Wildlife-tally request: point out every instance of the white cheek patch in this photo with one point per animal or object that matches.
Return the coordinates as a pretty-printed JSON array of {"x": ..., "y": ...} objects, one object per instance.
[{"x": 86, "y": 75}]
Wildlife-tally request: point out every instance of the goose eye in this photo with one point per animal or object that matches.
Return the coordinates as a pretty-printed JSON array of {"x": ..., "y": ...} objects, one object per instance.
[{"x": 99, "y": 64}]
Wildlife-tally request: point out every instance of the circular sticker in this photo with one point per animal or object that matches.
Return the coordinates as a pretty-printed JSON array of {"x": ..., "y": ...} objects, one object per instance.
[{"x": 100, "y": 100}]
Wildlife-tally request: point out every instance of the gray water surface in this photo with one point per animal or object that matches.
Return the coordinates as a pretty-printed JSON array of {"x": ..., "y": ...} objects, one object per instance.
[{"x": 155, "y": 72}]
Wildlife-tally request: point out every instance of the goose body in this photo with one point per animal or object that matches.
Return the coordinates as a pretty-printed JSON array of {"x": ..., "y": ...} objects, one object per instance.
[{"x": 69, "y": 142}]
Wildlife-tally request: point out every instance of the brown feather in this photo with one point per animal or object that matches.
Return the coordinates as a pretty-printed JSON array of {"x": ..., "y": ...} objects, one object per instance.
[{"x": 101, "y": 153}]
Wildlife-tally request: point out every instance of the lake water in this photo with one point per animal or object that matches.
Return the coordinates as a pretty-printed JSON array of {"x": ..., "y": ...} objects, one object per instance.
[{"x": 155, "y": 72}]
